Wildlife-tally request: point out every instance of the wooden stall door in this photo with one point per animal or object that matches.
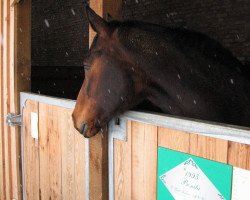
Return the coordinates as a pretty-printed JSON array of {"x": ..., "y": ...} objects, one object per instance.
[
  {"x": 135, "y": 161},
  {"x": 54, "y": 161}
]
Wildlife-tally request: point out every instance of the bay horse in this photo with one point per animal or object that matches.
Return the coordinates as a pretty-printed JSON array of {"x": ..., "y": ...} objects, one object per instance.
[{"x": 183, "y": 72}]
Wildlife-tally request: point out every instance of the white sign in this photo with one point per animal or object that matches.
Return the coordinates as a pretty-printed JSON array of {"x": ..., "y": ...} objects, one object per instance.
[
  {"x": 241, "y": 184},
  {"x": 34, "y": 125},
  {"x": 188, "y": 182}
]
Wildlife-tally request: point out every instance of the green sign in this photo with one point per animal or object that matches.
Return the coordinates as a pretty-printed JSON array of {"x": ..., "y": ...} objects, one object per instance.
[{"x": 185, "y": 177}]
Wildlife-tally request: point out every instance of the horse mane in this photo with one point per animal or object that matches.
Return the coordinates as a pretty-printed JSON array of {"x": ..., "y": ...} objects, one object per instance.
[{"x": 187, "y": 40}]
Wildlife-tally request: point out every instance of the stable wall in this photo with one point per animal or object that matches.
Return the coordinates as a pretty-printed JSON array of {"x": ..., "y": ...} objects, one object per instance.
[
  {"x": 59, "y": 44},
  {"x": 226, "y": 21},
  {"x": 59, "y": 33}
]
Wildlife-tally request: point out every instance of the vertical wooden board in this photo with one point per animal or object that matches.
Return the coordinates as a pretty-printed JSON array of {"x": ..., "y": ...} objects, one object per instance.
[
  {"x": 67, "y": 133},
  {"x": 122, "y": 166},
  {"x": 150, "y": 161},
  {"x": 1, "y": 113},
  {"x": 114, "y": 8},
  {"x": 10, "y": 87},
  {"x": 6, "y": 102},
  {"x": 173, "y": 139},
  {"x": 209, "y": 148},
  {"x": 97, "y": 6},
  {"x": 14, "y": 108},
  {"x": 21, "y": 68},
  {"x": 15, "y": 162},
  {"x": 23, "y": 48},
  {"x": 31, "y": 154},
  {"x": 2, "y": 196},
  {"x": 44, "y": 131},
  {"x": 144, "y": 161},
  {"x": 98, "y": 167},
  {"x": 79, "y": 165},
  {"x": 3, "y": 93},
  {"x": 50, "y": 152},
  {"x": 1, "y": 134},
  {"x": 55, "y": 154},
  {"x": 239, "y": 155}
]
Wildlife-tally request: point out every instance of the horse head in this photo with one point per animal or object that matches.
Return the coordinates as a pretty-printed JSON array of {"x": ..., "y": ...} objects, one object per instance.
[
  {"x": 109, "y": 86},
  {"x": 182, "y": 72}
]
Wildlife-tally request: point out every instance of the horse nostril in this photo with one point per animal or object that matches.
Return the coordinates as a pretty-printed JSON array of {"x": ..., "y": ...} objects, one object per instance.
[{"x": 83, "y": 129}]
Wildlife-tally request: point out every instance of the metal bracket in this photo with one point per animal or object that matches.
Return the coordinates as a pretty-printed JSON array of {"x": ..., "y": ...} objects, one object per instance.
[
  {"x": 118, "y": 128},
  {"x": 14, "y": 120}
]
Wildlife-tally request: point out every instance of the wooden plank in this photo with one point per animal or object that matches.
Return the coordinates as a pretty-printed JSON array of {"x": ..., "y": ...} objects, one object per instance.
[
  {"x": 79, "y": 165},
  {"x": 209, "y": 148},
  {"x": 6, "y": 100},
  {"x": 173, "y": 139},
  {"x": 67, "y": 133},
  {"x": 144, "y": 161},
  {"x": 2, "y": 196},
  {"x": 20, "y": 80},
  {"x": 1, "y": 111},
  {"x": 10, "y": 175},
  {"x": 31, "y": 155},
  {"x": 2, "y": 168},
  {"x": 98, "y": 167},
  {"x": 44, "y": 126},
  {"x": 122, "y": 166},
  {"x": 14, "y": 108},
  {"x": 50, "y": 152},
  {"x": 97, "y": 6},
  {"x": 114, "y": 8},
  {"x": 10, "y": 170},
  {"x": 239, "y": 155},
  {"x": 23, "y": 48},
  {"x": 55, "y": 155}
]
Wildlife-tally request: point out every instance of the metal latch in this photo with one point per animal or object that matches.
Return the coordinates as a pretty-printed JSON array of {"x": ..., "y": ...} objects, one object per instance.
[{"x": 14, "y": 120}]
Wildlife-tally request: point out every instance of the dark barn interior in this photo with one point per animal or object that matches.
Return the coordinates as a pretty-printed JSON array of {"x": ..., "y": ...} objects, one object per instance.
[
  {"x": 59, "y": 43},
  {"x": 60, "y": 34}
]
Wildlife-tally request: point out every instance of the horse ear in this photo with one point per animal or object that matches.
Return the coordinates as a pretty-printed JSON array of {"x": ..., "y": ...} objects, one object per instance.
[{"x": 98, "y": 24}]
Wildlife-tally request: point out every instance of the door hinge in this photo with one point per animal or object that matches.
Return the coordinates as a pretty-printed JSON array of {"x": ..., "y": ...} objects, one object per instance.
[{"x": 14, "y": 120}]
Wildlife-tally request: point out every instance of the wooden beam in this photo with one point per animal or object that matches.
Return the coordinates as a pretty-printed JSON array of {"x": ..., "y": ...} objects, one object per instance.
[
  {"x": 1, "y": 104},
  {"x": 31, "y": 154},
  {"x": 102, "y": 8},
  {"x": 98, "y": 167},
  {"x": 98, "y": 146},
  {"x": 14, "y": 50},
  {"x": 5, "y": 98}
]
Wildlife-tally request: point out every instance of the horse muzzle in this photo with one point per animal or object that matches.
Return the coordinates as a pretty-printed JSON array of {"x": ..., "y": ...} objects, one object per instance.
[{"x": 84, "y": 129}]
